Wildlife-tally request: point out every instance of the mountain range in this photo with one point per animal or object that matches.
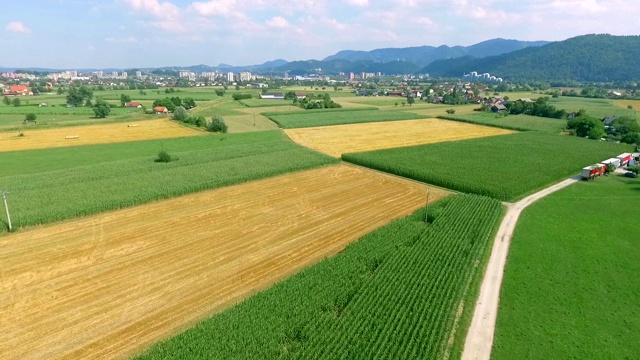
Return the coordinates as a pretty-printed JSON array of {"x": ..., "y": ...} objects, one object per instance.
[
  {"x": 591, "y": 58},
  {"x": 596, "y": 57}
]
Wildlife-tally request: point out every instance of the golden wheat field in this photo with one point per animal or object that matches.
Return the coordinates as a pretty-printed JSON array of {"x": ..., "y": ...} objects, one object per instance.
[
  {"x": 635, "y": 104},
  {"x": 341, "y": 139},
  {"x": 108, "y": 286},
  {"x": 93, "y": 134}
]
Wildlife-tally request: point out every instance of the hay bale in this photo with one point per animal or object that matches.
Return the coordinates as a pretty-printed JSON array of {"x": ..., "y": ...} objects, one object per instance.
[
  {"x": 132, "y": 125},
  {"x": 71, "y": 137}
]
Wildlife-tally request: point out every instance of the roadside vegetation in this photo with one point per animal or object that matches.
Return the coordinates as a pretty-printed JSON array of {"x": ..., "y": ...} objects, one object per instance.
[
  {"x": 395, "y": 294},
  {"x": 570, "y": 287}
]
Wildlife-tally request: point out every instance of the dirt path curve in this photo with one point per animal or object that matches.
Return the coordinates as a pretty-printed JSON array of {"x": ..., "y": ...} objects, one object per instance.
[{"x": 480, "y": 336}]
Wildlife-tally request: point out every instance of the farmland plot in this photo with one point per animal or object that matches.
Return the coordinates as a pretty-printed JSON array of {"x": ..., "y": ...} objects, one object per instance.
[
  {"x": 337, "y": 140},
  {"x": 397, "y": 293},
  {"x": 126, "y": 174},
  {"x": 571, "y": 284},
  {"x": 328, "y": 117},
  {"x": 109, "y": 285},
  {"x": 504, "y": 167},
  {"x": 93, "y": 134}
]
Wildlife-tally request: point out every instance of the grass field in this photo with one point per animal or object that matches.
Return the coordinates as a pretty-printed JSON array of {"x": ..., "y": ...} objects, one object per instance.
[
  {"x": 571, "y": 284},
  {"x": 595, "y": 107},
  {"x": 340, "y": 139},
  {"x": 43, "y": 160},
  {"x": 505, "y": 167},
  {"x": 93, "y": 134},
  {"x": 326, "y": 118},
  {"x": 11, "y": 118},
  {"x": 49, "y": 196},
  {"x": 285, "y": 104},
  {"x": 514, "y": 122},
  {"x": 395, "y": 294},
  {"x": 145, "y": 273}
]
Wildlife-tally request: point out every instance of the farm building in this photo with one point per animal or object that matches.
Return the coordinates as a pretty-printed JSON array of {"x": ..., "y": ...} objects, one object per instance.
[
  {"x": 275, "y": 96},
  {"x": 133, "y": 105},
  {"x": 161, "y": 110},
  {"x": 17, "y": 90}
]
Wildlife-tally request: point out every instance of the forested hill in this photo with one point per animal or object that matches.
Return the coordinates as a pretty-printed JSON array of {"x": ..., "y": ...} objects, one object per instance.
[
  {"x": 424, "y": 55},
  {"x": 598, "y": 58}
]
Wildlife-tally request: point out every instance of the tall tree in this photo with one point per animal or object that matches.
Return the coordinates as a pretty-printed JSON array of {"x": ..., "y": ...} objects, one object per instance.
[{"x": 101, "y": 109}]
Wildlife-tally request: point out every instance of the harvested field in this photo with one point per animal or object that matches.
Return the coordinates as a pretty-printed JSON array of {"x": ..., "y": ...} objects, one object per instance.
[
  {"x": 340, "y": 139},
  {"x": 110, "y": 285},
  {"x": 93, "y": 134}
]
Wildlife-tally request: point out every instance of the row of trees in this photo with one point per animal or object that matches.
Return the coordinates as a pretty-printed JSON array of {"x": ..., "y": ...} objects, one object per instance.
[
  {"x": 312, "y": 101},
  {"x": 171, "y": 103},
  {"x": 624, "y": 129},
  {"x": 216, "y": 124},
  {"x": 538, "y": 108}
]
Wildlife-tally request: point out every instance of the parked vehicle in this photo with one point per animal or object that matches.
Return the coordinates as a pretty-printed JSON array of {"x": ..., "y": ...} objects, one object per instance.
[
  {"x": 624, "y": 158},
  {"x": 593, "y": 171},
  {"x": 629, "y": 174}
]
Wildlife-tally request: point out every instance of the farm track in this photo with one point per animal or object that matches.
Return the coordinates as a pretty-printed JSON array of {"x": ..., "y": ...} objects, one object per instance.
[
  {"x": 341, "y": 139},
  {"x": 479, "y": 341},
  {"x": 110, "y": 285},
  {"x": 94, "y": 134}
]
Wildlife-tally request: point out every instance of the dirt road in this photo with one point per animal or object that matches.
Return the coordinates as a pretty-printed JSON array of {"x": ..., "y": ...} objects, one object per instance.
[
  {"x": 109, "y": 285},
  {"x": 480, "y": 336}
]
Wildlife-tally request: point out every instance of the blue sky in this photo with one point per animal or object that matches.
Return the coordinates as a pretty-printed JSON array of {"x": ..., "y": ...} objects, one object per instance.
[{"x": 151, "y": 33}]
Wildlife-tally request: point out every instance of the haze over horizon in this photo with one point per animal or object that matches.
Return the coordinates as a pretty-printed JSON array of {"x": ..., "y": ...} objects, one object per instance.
[{"x": 155, "y": 33}]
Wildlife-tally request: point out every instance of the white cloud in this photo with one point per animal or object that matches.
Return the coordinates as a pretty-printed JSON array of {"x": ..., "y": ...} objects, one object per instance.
[
  {"x": 278, "y": 22},
  {"x": 222, "y": 8},
  {"x": 127, "y": 40},
  {"x": 582, "y": 7},
  {"x": 358, "y": 2},
  {"x": 165, "y": 10},
  {"x": 17, "y": 27}
]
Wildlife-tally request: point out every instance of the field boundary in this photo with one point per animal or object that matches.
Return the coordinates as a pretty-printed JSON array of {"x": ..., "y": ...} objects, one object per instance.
[{"x": 479, "y": 341}]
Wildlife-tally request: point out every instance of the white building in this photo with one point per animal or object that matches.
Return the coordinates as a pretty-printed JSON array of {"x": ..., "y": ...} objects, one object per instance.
[
  {"x": 245, "y": 76},
  {"x": 230, "y": 77}
]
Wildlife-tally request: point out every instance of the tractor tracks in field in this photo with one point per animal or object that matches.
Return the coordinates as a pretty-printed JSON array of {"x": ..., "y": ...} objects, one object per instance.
[{"x": 479, "y": 341}]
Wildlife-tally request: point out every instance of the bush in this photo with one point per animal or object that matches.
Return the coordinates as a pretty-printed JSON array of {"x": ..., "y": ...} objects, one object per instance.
[
  {"x": 217, "y": 124},
  {"x": 240, "y": 96},
  {"x": 30, "y": 117},
  {"x": 634, "y": 169},
  {"x": 163, "y": 157},
  {"x": 180, "y": 114}
]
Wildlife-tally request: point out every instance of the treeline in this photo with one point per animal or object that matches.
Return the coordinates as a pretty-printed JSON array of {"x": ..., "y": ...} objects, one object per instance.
[
  {"x": 312, "y": 101},
  {"x": 171, "y": 103},
  {"x": 540, "y": 107}
]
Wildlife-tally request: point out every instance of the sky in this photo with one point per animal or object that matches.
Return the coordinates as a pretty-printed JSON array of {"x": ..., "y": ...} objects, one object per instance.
[{"x": 68, "y": 34}]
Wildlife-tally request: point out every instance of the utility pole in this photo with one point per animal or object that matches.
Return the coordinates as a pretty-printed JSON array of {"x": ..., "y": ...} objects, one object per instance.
[
  {"x": 426, "y": 213},
  {"x": 6, "y": 206},
  {"x": 254, "y": 118}
]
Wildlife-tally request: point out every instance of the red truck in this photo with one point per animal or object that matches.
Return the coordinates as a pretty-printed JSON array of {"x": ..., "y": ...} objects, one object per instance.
[
  {"x": 624, "y": 158},
  {"x": 593, "y": 171}
]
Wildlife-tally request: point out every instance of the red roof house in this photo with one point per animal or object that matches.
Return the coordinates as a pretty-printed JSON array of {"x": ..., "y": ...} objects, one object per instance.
[
  {"x": 160, "y": 110},
  {"x": 18, "y": 90},
  {"x": 133, "y": 105}
]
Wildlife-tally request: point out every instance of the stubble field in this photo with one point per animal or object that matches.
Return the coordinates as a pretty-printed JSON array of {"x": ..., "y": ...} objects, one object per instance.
[
  {"x": 109, "y": 285},
  {"x": 93, "y": 134},
  {"x": 341, "y": 139}
]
